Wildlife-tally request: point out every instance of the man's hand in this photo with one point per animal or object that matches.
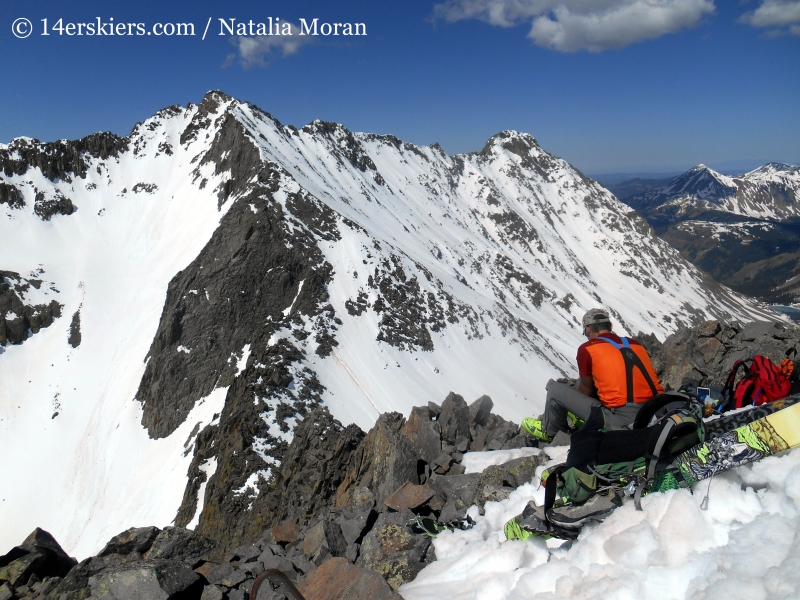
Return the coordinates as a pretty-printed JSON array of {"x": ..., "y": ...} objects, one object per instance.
[{"x": 586, "y": 386}]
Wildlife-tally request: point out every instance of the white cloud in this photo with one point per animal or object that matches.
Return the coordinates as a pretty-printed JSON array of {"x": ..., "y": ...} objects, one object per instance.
[
  {"x": 572, "y": 25},
  {"x": 776, "y": 13},
  {"x": 257, "y": 50}
]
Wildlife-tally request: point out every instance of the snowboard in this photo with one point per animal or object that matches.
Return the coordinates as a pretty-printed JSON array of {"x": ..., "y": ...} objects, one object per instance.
[
  {"x": 730, "y": 421},
  {"x": 764, "y": 437}
]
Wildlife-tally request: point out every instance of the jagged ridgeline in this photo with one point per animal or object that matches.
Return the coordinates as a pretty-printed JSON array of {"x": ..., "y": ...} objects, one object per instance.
[{"x": 234, "y": 276}]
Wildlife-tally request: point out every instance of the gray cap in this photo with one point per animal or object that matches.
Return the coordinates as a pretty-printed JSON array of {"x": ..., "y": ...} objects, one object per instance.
[{"x": 596, "y": 315}]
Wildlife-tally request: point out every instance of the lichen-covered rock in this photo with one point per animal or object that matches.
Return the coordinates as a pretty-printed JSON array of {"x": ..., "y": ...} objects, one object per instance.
[
  {"x": 383, "y": 462},
  {"x": 391, "y": 550},
  {"x": 337, "y": 579},
  {"x": 39, "y": 554}
]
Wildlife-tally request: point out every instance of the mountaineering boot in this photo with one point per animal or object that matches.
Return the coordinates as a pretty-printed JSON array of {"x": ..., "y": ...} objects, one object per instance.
[
  {"x": 595, "y": 509},
  {"x": 533, "y": 427},
  {"x": 577, "y": 422}
]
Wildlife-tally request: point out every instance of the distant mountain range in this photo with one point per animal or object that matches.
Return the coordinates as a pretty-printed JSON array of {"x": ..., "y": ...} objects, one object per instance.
[{"x": 743, "y": 230}]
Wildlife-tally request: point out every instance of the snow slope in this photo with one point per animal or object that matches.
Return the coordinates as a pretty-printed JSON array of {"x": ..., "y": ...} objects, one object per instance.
[
  {"x": 94, "y": 465},
  {"x": 744, "y": 546},
  {"x": 490, "y": 257}
]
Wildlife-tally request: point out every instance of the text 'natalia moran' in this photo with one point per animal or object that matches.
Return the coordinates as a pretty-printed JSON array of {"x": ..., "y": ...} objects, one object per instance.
[{"x": 274, "y": 26}]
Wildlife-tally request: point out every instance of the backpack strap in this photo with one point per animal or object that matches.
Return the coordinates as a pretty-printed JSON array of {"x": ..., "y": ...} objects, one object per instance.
[
  {"x": 550, "y": 488},
  {"x": 631, "y": 360},
  {"x": 727, "y": 390}
]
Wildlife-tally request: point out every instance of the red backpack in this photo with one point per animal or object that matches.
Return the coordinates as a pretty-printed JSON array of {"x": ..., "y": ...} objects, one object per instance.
[{"x": 762, "y": 382}]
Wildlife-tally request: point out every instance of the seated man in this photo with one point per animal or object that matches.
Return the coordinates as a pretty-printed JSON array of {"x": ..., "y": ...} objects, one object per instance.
[{"x": 615, "y": 374}]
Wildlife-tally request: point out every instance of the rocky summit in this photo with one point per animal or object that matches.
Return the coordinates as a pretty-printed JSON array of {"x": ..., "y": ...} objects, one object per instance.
[{"x": 181, "y": 304}]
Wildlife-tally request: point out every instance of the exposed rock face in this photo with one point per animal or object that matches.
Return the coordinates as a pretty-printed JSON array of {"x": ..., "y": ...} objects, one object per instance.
[
  {"x": 10, "y": 195},
  {"x": 704, "y": 355},
  {"x": 18, "y": 315},
  {"x": 236, "y": 291},
  {"x": 59, "y": 160},
  {"x": 304, "y": 486},
  {"x": 47, "y": 207}
]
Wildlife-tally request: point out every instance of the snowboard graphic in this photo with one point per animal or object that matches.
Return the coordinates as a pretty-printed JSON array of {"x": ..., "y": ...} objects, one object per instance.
[
  {"x": 729, "y": 421},
  {"x": 769, "y": 435}
]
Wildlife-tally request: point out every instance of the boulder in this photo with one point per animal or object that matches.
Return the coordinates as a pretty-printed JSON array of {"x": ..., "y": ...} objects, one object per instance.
[
  {"x": 480, "y": 410},
  {"x": 39, "y": 554},
  {"x": 354, "y": 523},
  {"x": 281, "y": 563},
  {"x": 456, "y": 492},
  {"x": 435, "y": 410},
  {"x": 119, "y": 577},
  {"x": 391, "y": 550},
  {"x": 322, "y": 541},
  {"x": 225, "y": 574},
  {"x": 454, "y": 419},
  {"x": 409, "y": 496},
  {"x": 177, "y": 543},
  {"x": 286, "y": 532},
  {"x": 135, "y": 539},
  {"x": 337, "y": 579},
  {"x": 245, "y": 553},
  {"x": 384, "y": 461},
  {"x": 212, "y": 592}
]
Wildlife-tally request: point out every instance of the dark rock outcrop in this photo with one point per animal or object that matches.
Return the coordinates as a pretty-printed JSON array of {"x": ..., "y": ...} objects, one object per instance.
[
  {"x": 704, "y": 355},
  {"x": 10, "y": 194},
  {"x": 39, "y": 554},
  {"x": 59, "y": 160},
  {"x": 18, "y": 316}
]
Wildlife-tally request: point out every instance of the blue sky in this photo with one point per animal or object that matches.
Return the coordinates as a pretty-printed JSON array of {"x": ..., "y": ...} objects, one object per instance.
[{"x": 609, "y": 85}]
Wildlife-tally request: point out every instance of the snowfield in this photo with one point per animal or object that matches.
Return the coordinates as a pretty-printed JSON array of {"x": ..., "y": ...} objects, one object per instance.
[{"x": 744, "y": 546}]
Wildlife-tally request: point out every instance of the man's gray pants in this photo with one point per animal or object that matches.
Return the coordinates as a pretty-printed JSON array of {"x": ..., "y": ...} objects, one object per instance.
[{"x": 562, "y": 398}]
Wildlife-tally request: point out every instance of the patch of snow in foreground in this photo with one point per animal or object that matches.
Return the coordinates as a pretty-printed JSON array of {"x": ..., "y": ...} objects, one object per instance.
[{"x": 745, "y": 545}]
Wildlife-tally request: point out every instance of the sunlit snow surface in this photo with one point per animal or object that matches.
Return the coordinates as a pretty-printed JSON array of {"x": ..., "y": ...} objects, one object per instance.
[{"x": 745, "y": 546}]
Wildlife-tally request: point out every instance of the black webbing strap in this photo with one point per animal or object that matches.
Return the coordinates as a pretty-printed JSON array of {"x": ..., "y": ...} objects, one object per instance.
[
  {"x": 550, "y": 488},
  {"x": 631, "y": 360}
]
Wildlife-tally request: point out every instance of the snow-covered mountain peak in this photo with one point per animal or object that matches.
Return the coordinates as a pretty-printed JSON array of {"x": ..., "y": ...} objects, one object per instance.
[{"x": 769, "y": 192}]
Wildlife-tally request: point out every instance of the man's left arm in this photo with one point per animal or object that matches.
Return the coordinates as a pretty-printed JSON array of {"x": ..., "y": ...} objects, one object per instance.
[{"x": 586, "y": 386}]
